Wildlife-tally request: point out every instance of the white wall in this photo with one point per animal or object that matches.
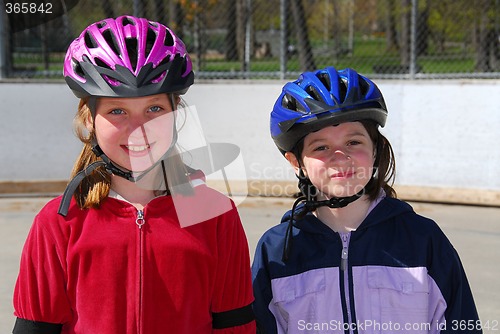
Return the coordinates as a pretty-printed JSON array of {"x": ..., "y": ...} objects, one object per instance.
[
  {"x": 36, "y": 138},
  {"x": 445, "y": 133}
]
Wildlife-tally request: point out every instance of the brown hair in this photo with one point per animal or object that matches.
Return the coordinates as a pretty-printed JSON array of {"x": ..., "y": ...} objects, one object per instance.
[
  {"x": 95, "y": 186},
  {"x": 385, "y": 163}
]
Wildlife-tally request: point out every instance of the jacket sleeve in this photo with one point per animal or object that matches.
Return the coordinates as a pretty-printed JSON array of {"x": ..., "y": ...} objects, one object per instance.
[
  {"x": 266, "y": 321},
  {"x": 447, "y": 270},
  {"x": 40, "y": 292},
  {"x": 231, "y": 310}
]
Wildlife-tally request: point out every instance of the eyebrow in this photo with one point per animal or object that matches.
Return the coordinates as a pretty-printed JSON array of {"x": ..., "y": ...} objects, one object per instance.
[
  {"x": 120, "y": 101},
  {"x": 349, "y": 135}
]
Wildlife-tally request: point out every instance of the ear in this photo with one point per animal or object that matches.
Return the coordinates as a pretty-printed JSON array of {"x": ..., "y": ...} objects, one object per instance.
[
  {"x": 294, "y": 162},
  {"x": 175, "y": 99}
]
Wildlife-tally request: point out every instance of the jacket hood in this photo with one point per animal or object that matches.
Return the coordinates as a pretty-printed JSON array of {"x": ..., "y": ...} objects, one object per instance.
[{"x": 385, "y": 210}]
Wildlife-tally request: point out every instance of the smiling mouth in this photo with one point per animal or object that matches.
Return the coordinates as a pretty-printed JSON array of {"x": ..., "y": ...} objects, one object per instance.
[
  {"x": 342, "y": 175},
  {"x": 137, "y": 148}
]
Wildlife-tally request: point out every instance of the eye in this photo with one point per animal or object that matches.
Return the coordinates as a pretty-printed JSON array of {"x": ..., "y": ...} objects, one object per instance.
[
  {"x": 155, "y": 109},
  {"x": 320, "y": 148},
  {"x": 354, "y": 143},
  {"x": 117, "y": 112}
]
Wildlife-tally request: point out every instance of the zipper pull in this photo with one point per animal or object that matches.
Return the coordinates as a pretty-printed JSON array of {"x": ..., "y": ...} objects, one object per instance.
[
  {"x": 345, "y": 250},
  {"x": 139, "y": 221},
  {"x": 343, "y": 261}
]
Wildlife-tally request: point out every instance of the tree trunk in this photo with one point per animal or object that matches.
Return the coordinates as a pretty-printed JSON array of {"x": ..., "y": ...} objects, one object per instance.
[
  {"x": 176, "y": 18},
  {"x": 240, "y": 30},
  {"x": 405, "y": 33},
  {"x": 390, "y": 26},
  {"x": 159, "y": 11},
  {"x": 107, "y": 8},
  {"x": 423, "y": 31},
  {"x": 337, "y": 45},
  {"x": 485, "y": 39},
  {"x": 306, "y": 58},
  {"x": 199, "y": 35},
  {"x": 231, "y": 24}
]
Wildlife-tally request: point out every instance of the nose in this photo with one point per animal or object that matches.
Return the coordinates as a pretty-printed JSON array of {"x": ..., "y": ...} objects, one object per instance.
[
  {"x": 340, "y": 156},
  {"x": 137, "y": 120},
  {"x": 137, "y": 128}
]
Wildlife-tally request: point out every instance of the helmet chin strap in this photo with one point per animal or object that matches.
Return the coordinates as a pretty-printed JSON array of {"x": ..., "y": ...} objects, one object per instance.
[
  {"x": 334, "y": 202},
  {"x": 309, "y": 198},
  {"x": 310, "y": 194}
]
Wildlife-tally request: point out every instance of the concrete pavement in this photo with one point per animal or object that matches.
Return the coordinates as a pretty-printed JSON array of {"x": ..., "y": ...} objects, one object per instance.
[{"x": 474, "y": 231}]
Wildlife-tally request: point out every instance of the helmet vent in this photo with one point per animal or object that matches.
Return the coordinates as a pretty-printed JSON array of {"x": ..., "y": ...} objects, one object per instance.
[
  {"x": 363, "y": 87},
  {"x": 101, "y": 24},
  {"x": 314, "y": 93},
  {"x": 131, "y": 44},
  {"x": 169, "y": 40},
  {"x": 128, "y": 21},
  {"x": 77, "y": 68},
  {"x": 109, "y": 37},
  {"x": 184, "y": 66},
  {"x": 162, "y": 74},
  {"x": 289, "y": 102},
  {"x": 150, "y": 41},
  {"x": 342, "y": 89},
  {"x": 90, "y": 41},
  {"x": 100, "y": 63},
  {"x": 325, "y": 80}
]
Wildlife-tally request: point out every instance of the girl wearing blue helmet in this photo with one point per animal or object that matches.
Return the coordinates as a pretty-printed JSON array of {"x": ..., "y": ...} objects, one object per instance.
[{"x": 350, "y": 257}]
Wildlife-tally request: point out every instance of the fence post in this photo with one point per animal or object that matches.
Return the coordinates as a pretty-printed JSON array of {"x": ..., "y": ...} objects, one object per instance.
[
  {"x": 413, "y": 39},
  {"x": 283, "y": 39},
  {"x": 137, "y": 8}
]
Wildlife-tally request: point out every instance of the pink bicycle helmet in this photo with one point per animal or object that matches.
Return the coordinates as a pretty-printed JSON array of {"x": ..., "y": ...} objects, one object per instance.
[{"x": 127, "y": 57}]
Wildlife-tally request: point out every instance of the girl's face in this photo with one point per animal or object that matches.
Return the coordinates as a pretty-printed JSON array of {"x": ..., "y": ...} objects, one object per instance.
[
  {"x": 337, "y": 159},
  {"x": 135, "y": 132}
]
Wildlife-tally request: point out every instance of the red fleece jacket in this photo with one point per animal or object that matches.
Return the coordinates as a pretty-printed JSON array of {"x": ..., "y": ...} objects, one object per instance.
[{"x": 96, "y": 271}]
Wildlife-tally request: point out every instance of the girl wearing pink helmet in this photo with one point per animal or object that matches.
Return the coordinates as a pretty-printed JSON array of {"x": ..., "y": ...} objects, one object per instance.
[{"x": 137, "y": 243}]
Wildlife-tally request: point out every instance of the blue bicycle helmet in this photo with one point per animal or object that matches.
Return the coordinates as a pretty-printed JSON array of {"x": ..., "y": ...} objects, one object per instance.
[{"x": 321, "y": 98}]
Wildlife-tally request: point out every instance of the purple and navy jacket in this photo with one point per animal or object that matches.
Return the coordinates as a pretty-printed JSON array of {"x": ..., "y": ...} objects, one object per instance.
[{"x": 397, "y": 273}]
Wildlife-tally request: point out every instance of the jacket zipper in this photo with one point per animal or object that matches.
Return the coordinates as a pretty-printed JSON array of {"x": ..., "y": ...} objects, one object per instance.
[
  {"x": 344, "y": 266},
  {"x": 140, "y": 221}
]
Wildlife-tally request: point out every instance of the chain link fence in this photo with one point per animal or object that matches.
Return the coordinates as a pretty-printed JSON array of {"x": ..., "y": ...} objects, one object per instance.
[{"x": 277, "y": 39}]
